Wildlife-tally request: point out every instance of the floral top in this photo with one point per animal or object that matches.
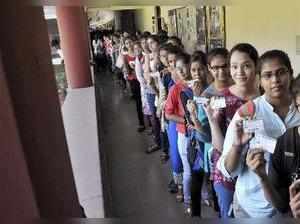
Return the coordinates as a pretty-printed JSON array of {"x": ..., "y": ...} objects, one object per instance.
[{"x": 233, "y": 103}]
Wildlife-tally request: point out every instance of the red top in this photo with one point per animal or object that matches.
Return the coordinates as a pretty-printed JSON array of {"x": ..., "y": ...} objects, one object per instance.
[
  {"x": 233, "y": 103},
  {"x": 174, "y": 104},
  {"x": 130, "y": 60}
]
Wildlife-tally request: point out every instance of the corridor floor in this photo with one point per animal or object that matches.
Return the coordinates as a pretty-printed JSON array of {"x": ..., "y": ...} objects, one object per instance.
[{"x": 139, "y": 181}]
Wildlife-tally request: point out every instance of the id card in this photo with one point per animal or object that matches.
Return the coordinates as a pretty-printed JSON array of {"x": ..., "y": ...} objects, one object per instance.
[
  {"x": 251, "y": 126},
  {"x": 191, "y": 82},
  {"x": 218, "y": 103},
  {"x": 201, "y": 100},
  {"x": 264, "y": 142},
  {"x": 155, "y": 75}
]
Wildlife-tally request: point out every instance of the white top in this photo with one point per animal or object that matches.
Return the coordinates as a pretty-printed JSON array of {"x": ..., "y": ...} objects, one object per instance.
[{"x": 249, "y": 192}]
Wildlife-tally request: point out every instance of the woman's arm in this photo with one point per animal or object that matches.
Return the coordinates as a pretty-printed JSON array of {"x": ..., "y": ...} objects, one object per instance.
[
  {"x": 217, "y": 136},
  {"x": 176, "y": 118},
  {"x": 256, "y": 162}
]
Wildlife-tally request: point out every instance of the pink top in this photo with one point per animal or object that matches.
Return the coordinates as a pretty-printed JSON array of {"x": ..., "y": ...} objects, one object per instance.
[{"x": 233, "y": 103}]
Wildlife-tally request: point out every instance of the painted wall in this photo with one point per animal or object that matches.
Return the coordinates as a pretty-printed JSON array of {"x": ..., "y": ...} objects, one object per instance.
[
  {"x": 143, "y": 18},
  {"x": 266, "y": 25}
]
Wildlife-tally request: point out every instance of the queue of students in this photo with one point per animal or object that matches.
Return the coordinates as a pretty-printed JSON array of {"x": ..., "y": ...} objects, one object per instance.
[{"x": 229, "y": 122}]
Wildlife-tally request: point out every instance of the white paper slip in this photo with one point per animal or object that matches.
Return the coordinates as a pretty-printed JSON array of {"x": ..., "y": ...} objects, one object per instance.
[
  {"x": 201, "y": 100},
  {"x": 218, "y": 103},
  {"x": 155, "y": 74},
  {"x": 251, "y": 126},
  {"x": 264, "y": 142},
  {"x": 191, "y": 82}
]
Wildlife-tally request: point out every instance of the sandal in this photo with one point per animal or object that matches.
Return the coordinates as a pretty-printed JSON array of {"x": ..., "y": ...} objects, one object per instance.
[
  {"x": 164, "y": 157},
  {"x": 179, "y": 195},
  {"x": 153, "y": 148}
]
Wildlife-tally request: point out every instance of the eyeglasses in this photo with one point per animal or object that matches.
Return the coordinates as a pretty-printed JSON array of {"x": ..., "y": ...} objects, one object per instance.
[
  {"x": 279, "y": 73},
  {"x": 218, "y": 67}
]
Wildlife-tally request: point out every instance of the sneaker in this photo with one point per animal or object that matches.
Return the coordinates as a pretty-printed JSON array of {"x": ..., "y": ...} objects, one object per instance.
[
  {"x": 179, "y": 195},
  {"x": 141, "y": 128},
  {"x": 172, "y": 187},
  {"x": 152, "y": 148},
  {"x": 207, "y": 202},
  {"x": 188, "y": 209}
]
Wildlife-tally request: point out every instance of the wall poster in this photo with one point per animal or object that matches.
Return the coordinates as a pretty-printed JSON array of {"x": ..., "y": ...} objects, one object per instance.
[{"x": 201, "y": 28}]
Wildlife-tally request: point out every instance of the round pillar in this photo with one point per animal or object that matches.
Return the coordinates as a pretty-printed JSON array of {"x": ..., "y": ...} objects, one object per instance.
[{"x": 72, "y": 28}]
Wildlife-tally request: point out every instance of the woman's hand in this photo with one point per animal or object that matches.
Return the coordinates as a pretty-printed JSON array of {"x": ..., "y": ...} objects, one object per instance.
[
  {"x": 295, "y": 198},
  {"x": 256, "y": 162},
  {"x": 191, "y": 107},
  {"x": 212, "y": 115},
  {"x": 197, "y": 88},
  {"x": 240, "y": 137},
  {"x": 164, "y": 72}
]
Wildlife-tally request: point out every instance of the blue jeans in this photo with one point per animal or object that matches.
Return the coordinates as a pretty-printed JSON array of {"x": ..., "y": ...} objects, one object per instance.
[
  {"x": 174, "y": 154},
  {"x": 187, "y": 175},
  {"x": 225, "y": 198}
]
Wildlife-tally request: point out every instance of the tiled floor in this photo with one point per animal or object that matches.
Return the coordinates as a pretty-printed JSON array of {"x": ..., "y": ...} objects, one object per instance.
[{"x": 139, "y": 181}]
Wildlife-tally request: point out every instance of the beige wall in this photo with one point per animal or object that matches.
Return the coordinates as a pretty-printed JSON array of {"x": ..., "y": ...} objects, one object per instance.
[
  {"x": 266, "y": 25},
  {"x": 143, "y": 18}
]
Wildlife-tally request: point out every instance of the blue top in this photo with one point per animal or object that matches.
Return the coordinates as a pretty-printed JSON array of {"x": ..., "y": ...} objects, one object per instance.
[{"x": 168, "y": 82}]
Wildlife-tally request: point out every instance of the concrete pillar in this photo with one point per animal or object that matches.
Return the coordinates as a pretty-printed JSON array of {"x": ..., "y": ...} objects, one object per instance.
[
  {"x": 34, "y": 153},
  {"x": 72, "y": 26},
  {"x": 16, "y": 192}
]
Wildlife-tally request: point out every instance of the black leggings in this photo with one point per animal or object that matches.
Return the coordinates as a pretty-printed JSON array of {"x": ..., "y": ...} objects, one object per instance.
[
  {"x": 136, "y": 92},
  {"x": 196, "y": 186}
]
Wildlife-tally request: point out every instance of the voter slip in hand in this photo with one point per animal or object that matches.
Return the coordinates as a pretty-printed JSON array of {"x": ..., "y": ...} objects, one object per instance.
[
  {"x": 264, "y": 142},
  {"x": 251, "y": 126},
  {"x": 191, "y": 83},
  {"x": 155, "y": 74},
  {"x": 201, "y": 100},
  {"x": 218, "y": 103}
]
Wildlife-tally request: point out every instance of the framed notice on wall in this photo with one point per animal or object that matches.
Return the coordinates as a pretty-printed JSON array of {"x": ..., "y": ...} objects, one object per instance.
[
  {"x": 215, "y": 26},
  {"x": 201, "y": 28},
  {"x": 172, "y": 25}
]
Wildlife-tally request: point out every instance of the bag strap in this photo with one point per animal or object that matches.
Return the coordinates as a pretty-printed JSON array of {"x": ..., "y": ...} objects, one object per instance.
[{"x": 247, "y": 110}]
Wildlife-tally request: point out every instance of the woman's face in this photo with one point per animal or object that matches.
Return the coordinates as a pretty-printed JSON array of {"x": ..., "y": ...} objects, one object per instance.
[
  {"x": 144, "y": 44},
  {"x": 298, "y": 101},
  {"x": 153, "y": 45},
  {"x": 198, "y": 71},
  {"x": 275, "y": 78},
  {"x": 137, "y": 49},
  {"x": 129, "y": 44},
  {"x": 163, "y": 57},
  {"x": 172, "y": 60},
  {"x": 242, "y": 69},
  {"x": 218, "y": 68},
  {"x": 182, "y": 70}
]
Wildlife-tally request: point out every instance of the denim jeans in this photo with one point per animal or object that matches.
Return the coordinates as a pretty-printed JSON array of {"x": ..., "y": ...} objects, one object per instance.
[
  {"x": 175, "y": 159},
  {"x": 225, "y": 198},
  {"x": 182, "y": 148}
]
